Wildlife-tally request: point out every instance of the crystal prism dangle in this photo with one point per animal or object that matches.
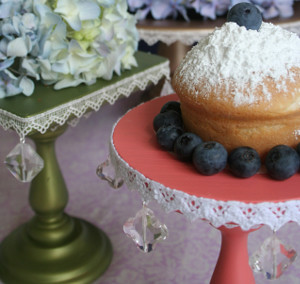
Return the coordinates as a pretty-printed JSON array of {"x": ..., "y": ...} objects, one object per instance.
[
  {"x": 106, "y": 171},
  {"x": 272, "y": 258},
  {"x": 23, "y": 162},
  {"x": 145, "y": 229}
]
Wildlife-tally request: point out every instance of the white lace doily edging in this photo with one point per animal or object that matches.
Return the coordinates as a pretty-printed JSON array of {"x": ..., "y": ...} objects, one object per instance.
[
  {"x": 189, "y": 37},
  {"x": 61, "y": 114},
  {"x": 218, "y": 213}
]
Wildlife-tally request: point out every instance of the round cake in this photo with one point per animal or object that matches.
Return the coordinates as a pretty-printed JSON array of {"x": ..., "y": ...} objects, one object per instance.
[{"x": 241, "y": 87}]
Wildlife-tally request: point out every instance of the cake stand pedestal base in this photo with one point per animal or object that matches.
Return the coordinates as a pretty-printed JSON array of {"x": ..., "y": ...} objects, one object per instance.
[
  {"x": 53, "y": 247},
  {"x": 81, "y": 259},
  {"x": 233, "y": 262}
]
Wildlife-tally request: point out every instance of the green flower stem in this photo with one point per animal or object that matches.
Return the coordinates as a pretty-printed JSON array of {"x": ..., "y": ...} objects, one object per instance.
[{"x": 52, "y": 4}]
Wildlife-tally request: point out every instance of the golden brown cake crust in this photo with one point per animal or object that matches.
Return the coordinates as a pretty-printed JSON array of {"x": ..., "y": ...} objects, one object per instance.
[{"x": 260, "y": 125}]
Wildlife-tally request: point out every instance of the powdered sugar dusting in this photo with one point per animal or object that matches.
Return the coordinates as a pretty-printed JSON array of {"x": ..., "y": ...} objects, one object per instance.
[{"x": 234, "y": 55}]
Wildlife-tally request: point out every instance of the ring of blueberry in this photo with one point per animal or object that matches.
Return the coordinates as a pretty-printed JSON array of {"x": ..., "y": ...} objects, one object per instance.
[{"x": 210, "y": 157}]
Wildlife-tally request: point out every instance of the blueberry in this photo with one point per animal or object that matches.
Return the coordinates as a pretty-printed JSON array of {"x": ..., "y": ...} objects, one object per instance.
[
  {"x": 167, "y": 135},
  {"x": 210, "y": 158},
  {"x": 244, "y": 162},
  {"x": 171, "y": 105},
  {"x": 282, "y": 162},
  {"x": 245, "y": 14},
  {"x": 298, "y": 149},
  {"x": 185, "y": 145},
  {"x": 170, "y": 117}
]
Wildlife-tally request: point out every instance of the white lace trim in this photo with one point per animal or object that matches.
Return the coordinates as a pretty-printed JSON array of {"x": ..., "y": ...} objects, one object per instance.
[
  {"x": 217, "y": 213},
  {"x": 189, "y": 37},
  {"x": 79, "y": 107},
  {"x": 168, "y": 37}
]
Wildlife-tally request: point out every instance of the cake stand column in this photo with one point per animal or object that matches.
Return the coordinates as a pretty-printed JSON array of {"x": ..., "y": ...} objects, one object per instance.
[
  {"x": 53, "y": 247},
  {"x": 233, "y": 262},
  {"x": 174, "y": 52}
]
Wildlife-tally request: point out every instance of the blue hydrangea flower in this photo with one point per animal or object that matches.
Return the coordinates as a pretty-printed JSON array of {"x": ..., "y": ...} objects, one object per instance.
[{"x": 65, "y": 44}]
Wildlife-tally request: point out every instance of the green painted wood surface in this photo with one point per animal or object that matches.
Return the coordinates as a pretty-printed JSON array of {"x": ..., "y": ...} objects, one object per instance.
[{"x": 45, "y": 98}]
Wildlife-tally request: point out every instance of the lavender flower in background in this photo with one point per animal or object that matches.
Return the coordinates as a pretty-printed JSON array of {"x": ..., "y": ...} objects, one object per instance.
[
  {"x": 159, "y": 9},
  {"x": 272, "y": 8},
  {"x": 210, "y": 8},
  {"x": 162, "y": 9}
]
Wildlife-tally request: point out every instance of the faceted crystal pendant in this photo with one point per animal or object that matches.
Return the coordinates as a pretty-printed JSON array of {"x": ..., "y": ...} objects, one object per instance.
[
  {"x": 23, "y": 162},
  {"x": 145, "y": 229},
  {"x": 106, "y": 172},
  {"x": 272, "y": 258}
]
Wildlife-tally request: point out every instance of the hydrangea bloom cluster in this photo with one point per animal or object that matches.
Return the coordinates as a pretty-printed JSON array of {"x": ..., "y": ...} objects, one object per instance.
[
  {"x": 63, "y": 42},
  {"x": 162, "y": 9},
  {"x": 272, "y": 8}
]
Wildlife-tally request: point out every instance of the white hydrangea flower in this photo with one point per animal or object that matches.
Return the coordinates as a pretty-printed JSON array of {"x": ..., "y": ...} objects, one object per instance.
[
  {"x": 26, "y": 85},
  {"x": 76, "y": 11},
  {"x": 63, "y": 42}
]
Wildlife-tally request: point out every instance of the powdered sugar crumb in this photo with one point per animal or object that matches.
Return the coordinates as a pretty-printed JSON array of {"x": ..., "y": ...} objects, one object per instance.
[
  {"x": 297, "y": 134},
  {"x": 234, "y": 55}
]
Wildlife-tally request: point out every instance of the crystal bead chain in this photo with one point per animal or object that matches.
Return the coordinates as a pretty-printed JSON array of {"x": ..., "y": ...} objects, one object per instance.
[
  {"x": 106, "y": 171},
  {"x": 145, "y": 229},
  {"x": 23, "y": 162},
  {"x": 272, "y": 258}
]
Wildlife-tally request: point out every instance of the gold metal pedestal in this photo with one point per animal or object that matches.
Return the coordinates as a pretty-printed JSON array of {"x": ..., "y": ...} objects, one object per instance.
[{"x": 53, "y": 247}]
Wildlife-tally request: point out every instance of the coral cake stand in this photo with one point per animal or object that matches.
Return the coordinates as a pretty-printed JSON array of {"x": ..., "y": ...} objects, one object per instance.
[{"x": 234, "y": 206}]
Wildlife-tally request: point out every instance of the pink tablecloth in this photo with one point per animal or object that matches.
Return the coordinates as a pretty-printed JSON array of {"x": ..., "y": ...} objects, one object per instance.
[{"x": 187, "y": 256}]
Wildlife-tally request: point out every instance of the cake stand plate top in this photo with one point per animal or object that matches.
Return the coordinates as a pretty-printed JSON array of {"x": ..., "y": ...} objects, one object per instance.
[
  {"x": 47, "y": 106},
  {"x": 159, "y": 175}
]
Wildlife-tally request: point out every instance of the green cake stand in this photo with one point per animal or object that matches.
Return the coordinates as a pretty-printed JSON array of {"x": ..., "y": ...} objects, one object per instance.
[{"x": 54, "y": 247}]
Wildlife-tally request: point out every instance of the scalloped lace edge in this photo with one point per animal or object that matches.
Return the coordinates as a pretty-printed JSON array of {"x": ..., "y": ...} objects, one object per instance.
[
  {"x": 79, "y": 107},
  {"x": 218, "y": 213}
]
